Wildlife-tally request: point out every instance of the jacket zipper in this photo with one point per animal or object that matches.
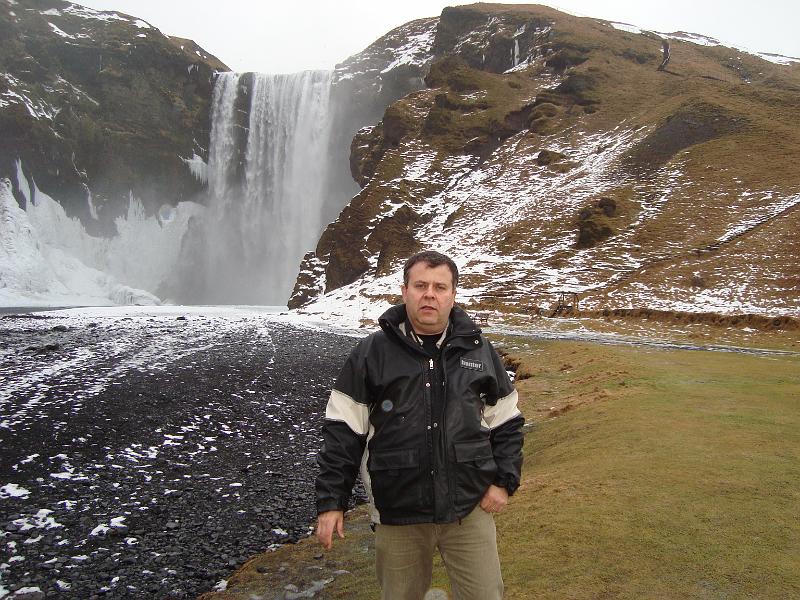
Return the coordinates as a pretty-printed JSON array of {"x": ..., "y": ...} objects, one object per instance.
[
  {"x": 443, "y": 430},
  {"x": 429, "y": 410}
]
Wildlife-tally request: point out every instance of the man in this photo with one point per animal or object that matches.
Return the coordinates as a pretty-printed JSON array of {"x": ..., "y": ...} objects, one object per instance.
[
  {"x": 665, "y": 53},
  {"x": 426, "y": 409}
]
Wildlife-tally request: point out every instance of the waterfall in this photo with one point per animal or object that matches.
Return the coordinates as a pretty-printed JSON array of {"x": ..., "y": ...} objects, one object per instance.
[
  {"x": 267, "y": 181},
  {"x": 276, "y": 176}
]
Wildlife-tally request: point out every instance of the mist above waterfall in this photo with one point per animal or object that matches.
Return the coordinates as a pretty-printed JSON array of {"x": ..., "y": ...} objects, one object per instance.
[{"x": 268, "y": 178}]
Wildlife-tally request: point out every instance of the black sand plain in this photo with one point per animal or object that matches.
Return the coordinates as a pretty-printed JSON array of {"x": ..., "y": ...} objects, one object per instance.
[{"x": 146, "y": 454}]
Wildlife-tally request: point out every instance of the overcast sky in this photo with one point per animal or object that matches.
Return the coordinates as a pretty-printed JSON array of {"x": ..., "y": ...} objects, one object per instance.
[{"x": 297, "y": 35}]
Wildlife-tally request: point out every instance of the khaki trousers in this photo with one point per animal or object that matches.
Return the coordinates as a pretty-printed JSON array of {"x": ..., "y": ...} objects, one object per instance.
[{"x": 404, "y": 558}]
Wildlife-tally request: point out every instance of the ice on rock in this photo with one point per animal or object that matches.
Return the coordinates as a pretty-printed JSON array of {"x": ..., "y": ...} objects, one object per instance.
[
  {"x": 196, "y": 164},
  {"x": 34, "y": 272},
  {"x": 48, "y": 258}
]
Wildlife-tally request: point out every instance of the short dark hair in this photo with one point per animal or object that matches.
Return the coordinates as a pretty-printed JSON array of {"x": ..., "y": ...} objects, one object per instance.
[{"x": 433, "y": 259}]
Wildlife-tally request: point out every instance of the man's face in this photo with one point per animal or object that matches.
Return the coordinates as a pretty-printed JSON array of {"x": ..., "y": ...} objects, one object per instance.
[{"x": 429, "y": 296}]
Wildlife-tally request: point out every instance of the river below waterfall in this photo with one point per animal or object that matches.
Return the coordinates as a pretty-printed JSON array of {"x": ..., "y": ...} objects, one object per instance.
[{"x": 147, "y": 452}]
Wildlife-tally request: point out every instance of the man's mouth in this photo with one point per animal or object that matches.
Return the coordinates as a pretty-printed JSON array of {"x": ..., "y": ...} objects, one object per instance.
[{"x": 427, "y": 308}]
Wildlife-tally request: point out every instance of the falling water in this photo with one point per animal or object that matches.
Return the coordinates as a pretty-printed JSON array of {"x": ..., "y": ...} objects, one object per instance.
[{"x": 267, "y": 176}]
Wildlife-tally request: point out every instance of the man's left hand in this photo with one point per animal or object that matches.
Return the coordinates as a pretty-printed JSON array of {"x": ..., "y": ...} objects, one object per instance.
[{"x": 495, "y": 499}]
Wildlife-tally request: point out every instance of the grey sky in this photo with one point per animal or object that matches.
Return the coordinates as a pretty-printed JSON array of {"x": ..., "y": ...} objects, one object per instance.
[{"x": 294, "y": 36}]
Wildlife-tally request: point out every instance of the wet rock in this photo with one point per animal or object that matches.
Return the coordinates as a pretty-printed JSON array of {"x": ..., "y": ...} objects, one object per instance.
[{"x": 28, "y": 595}]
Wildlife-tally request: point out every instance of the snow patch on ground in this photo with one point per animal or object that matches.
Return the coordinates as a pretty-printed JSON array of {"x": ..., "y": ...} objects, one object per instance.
[
  {"x": 40, "y": 520},
  {"x": 12, "y": 490},
  {"x": 104, "y": 528},
  {"x": 89, "y": 13},
  {"x": 764, "y": 214},
  {"x": 694, "y": 38},
  {"x": 778, "y": 58},
  {"x": 626, "y": 27}
]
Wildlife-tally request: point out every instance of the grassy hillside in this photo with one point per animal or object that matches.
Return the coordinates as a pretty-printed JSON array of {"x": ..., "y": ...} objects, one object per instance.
[
  {"x": 649, "y": 473},
  {"x": 583, "y": 167}
]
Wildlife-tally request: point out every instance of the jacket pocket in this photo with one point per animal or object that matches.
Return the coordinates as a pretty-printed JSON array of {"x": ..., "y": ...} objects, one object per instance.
[
  {"x": 395, "y": 478},
  {"x": 475, "y": 470}
]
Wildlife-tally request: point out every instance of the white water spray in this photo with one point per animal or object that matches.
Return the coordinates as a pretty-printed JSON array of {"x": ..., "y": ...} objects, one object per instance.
[{"x": 267, "y": 183}]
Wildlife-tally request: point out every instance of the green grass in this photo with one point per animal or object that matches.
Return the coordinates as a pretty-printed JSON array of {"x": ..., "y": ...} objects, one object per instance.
[
  {"x": 664, "y": 474},
  {"x": 682, "y": 485}
]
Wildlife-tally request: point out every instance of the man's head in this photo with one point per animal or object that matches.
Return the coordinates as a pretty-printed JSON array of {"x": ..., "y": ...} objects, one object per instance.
[{"x": 429, "y": 291}]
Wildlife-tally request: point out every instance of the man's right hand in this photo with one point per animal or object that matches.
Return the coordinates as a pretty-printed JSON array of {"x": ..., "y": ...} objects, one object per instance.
[{"x": 326, "y": 523}]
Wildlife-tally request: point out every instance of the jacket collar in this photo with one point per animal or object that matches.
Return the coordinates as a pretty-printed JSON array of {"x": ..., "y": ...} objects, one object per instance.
[
  {"x": 408, "y": 331},
  {"x": 395, "y": 322}
]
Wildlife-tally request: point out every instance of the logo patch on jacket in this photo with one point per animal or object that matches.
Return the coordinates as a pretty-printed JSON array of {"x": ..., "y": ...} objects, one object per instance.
[{"x": 469, "y": 363}]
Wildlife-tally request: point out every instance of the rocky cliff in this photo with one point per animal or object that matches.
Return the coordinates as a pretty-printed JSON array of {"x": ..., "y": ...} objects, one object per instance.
[
  {"x": 549, "y": 153},
  {"x": 98, "y": 106}
]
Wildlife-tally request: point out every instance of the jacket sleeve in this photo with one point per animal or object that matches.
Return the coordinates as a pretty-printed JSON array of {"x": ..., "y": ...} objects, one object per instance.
[
  {"x": 505, "y": 423},
  {"x": 344, "y": 434}
]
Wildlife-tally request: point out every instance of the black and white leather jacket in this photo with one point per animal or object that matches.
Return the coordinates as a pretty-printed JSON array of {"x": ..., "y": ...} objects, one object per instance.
[{"x": 429, "y": 435}]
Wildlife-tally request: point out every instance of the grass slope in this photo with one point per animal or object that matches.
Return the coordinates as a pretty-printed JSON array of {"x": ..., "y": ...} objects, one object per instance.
[
  {"x": 649, "y": 474},
  {"x": 676, "y": 476}
]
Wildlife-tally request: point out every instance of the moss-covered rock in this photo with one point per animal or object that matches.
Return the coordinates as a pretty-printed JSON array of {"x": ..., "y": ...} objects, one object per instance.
[
  {"x": 604, "y": 217},
  {"x": 579, "y": 87},
  {"x": 366, "y": 151},
  {"x": 398, "y": 122},
  {"x": 548, "y": 157},
  {"x": 490, "y": 37},
  {"x": 564, "y": 56},
  {"x": 393, "y": 239}
]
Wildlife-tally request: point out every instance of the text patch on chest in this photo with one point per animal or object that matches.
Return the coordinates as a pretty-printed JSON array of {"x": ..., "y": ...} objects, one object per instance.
[{"x": 468, "y": 363}]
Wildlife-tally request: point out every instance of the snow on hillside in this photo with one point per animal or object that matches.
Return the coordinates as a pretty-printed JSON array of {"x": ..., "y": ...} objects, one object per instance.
[
  {"x": 512, "y": 189},
  {"x": 493, "y": 197},
  {"x": 40, "y": 101},
  {"x": 408, "y": 45},
  {"x": 704, "y": 40},
  {"x": 687, "y": 215}
]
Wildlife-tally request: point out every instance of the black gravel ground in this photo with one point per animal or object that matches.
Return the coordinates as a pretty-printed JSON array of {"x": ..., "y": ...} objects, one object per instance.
[{"x": 200, "y": 429}]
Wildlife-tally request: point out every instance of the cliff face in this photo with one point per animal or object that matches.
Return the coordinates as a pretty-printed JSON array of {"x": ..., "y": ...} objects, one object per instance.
[
  {"x": 547, "y": 152},
  {"x": 98, "y": 106}
]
